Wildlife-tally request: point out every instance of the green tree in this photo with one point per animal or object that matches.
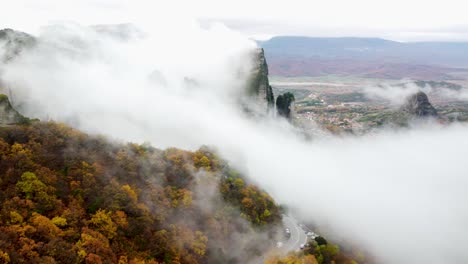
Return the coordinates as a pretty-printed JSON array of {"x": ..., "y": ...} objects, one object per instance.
[
  {"x": 30, "y": 185},
  {"x": 35, "y": 190},
  {"x": 321, "y": 240}
]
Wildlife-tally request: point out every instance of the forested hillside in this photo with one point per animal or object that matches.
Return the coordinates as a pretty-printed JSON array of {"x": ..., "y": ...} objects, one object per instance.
[{"x": 68, "y": 197}]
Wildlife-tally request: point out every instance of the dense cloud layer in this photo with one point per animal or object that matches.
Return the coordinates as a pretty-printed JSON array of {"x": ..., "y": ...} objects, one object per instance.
[
  {"x": 397, "y": 93},
  {"x": 366, "y": 18},
  {"x": 399, "y": 193}
]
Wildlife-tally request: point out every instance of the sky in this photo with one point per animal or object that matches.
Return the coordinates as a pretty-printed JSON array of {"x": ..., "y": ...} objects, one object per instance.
[{"x": 401, "y": 20}]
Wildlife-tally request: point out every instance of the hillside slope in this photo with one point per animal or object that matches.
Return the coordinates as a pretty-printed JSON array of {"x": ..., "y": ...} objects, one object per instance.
[{"x": 68, "y": 197}]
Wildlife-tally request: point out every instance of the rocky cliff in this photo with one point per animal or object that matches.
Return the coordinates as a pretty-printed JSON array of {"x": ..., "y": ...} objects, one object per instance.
[
  {"x": 8, "y": 115},
  {"x": 284, "y": 104},
  {"x": 258, "y": 84},
  {"x": 12, "y": 42},
  {"x": 418, "y": 105}
]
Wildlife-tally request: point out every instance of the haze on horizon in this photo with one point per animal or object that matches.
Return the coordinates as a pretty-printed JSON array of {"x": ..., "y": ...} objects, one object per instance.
[{"x": 395, "y": 20}]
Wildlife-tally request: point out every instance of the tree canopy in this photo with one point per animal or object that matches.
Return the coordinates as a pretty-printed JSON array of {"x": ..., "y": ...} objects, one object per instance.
[{"x": 68, "y": 197}]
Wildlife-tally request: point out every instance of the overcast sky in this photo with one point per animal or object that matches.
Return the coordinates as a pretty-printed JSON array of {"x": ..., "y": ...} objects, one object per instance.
[{"x": 397, "y": 19}]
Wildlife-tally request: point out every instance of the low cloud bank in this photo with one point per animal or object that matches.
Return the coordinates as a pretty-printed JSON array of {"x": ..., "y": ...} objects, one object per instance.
[
  {"x": 399, "y": 193},
  {"x": 397, "y": 93}
]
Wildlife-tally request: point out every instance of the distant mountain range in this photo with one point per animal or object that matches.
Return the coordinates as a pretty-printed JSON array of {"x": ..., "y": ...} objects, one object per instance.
[{"x": 366, "y": 57}]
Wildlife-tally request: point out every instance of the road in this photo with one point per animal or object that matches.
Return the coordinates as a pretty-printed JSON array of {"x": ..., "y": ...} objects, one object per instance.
[{"x": 298, "y": 235}]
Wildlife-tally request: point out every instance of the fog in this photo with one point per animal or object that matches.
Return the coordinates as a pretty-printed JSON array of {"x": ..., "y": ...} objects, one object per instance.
[
  {"x": 401, "y": 194},
  {"x": 397, "y": 93}
]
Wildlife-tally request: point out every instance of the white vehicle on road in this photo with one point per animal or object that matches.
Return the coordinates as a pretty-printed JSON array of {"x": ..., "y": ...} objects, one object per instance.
[{"x": 297, "y": 235}]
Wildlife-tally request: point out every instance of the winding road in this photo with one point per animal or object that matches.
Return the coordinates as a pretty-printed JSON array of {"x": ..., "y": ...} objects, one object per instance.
[{"x": 298, "y": 235}]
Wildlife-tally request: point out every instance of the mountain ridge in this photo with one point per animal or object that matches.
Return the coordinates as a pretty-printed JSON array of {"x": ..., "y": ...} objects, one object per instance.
[{"x": 365, "y": 57}]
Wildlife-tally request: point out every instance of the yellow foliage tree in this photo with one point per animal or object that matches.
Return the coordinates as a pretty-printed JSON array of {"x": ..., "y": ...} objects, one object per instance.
[
  {"x": 15, "y": 217},
  {"x": 102, "y": 221},
  {"x": 59, "y": 221},
  {"x": 30, "y": 185},
  {"x": 120, "y": 218},
  {"x": 123, "y": 260},
  {"x": 45, "y": 226},
  {"x": 201, "y": 161},
  {"x": 4, "y": 257},
  {"x": 293, "y": 259},
  {"x": 131, "y": 193},
  {"x": 198, "y": 245}
]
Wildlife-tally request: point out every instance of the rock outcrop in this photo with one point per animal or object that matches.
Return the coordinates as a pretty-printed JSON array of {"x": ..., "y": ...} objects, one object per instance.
[
  {"x": 283, "y": 104},
  {"x": 418, "y": 105},
  {"x": 258, "y": 85},
  {"x": 8, "y": 115},
  {"x": 12, "y": 42}
]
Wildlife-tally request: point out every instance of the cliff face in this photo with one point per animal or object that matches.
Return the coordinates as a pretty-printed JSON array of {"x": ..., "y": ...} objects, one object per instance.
[
  {"x": 8, "y": 115},
  {"x": 283, "y": 104},
  {"x": 13, "y": 42},
  {"x": 418, "y": 105},
  {"x": 258, "y": 84}
]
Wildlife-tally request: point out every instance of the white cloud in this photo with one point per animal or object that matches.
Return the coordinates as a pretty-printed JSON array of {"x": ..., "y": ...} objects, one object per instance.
[
  {"x": 401, "y": 20},
  {"x": 397, "y": 93}
]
